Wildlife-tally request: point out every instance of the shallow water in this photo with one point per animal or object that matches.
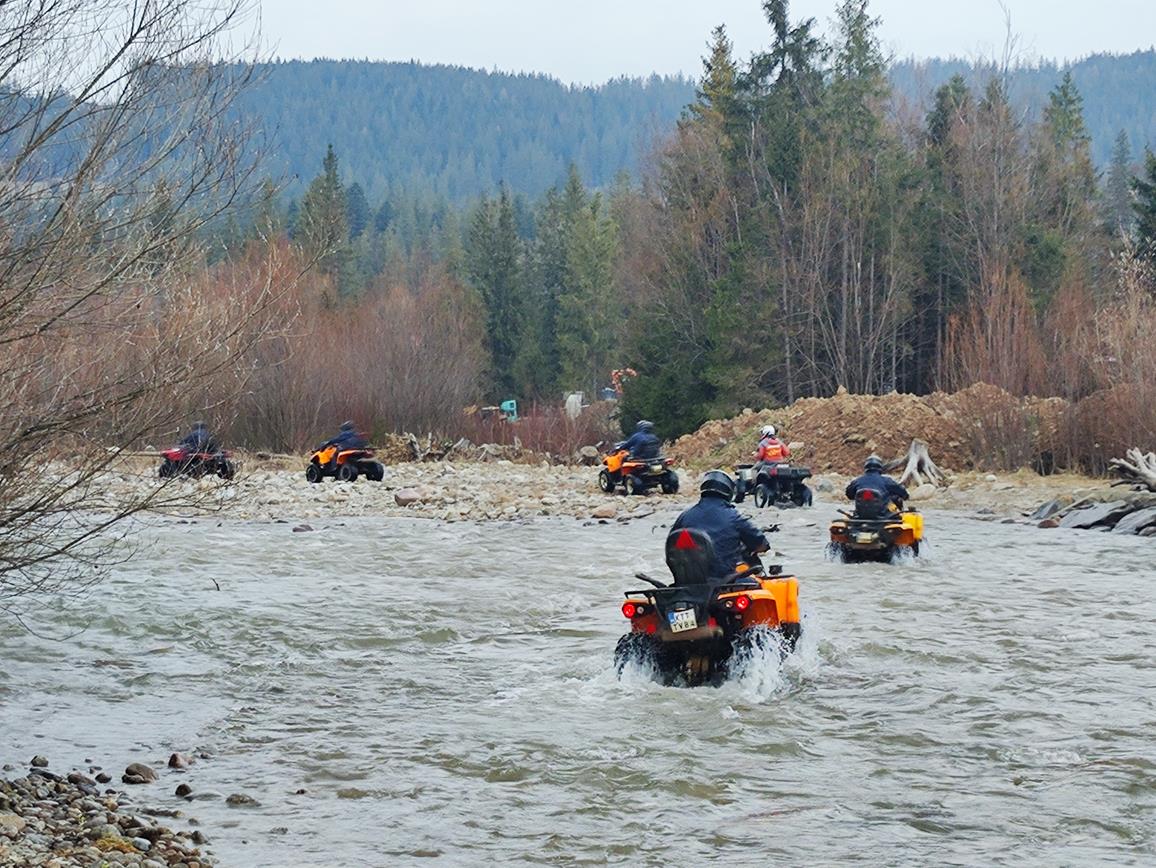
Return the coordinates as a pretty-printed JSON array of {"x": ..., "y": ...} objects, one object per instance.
[{"x": 447, "y": 690}]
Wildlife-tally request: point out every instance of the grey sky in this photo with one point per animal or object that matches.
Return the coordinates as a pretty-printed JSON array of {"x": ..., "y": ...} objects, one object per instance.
[{"x": 593, "y": 40}]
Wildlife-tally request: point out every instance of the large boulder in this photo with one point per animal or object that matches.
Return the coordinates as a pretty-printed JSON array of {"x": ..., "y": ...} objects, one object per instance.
[
  {"x": 1137, "y": 521},
  {"x": 1096, "y": 515}
]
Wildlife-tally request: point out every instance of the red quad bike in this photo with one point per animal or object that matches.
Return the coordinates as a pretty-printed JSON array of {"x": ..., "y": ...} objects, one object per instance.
[
  {"x": 181, "y": 461},
  {"x": 697, "y": 628}
]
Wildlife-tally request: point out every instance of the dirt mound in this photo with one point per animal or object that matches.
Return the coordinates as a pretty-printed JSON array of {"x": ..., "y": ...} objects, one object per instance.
[{"x": 980, "y": 427}]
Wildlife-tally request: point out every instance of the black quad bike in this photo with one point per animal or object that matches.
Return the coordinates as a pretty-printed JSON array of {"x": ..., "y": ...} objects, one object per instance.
[
  {"x": 695, "y": 629},
  {"x": 771, "y": 484}
]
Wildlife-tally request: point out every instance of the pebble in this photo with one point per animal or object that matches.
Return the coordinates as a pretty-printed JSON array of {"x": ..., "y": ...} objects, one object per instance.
[{"x": 139, "y": 773}]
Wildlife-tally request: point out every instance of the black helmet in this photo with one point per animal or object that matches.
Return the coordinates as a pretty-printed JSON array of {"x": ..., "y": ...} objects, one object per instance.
[
  {"x": 644, "y": 425},
  {"x": 874, "y": 462},
  {"x": 198, "y": 425},
  {"x": 347, "y": 425},
  {"x": 717, "y": 484}
]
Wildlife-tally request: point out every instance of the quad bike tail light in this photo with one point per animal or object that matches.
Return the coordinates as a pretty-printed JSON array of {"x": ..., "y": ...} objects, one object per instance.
[
  {"x": 742, "y": 602},
  {"x": 628, "y": 609}
]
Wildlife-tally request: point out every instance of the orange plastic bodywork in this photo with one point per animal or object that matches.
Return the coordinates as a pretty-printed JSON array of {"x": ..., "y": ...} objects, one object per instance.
[
  {"x": 621, "y": 461},
  {"x": 614, "y": 460},
  {"x": 774, "y": 603},
  {"x": 325, "y": 455}
]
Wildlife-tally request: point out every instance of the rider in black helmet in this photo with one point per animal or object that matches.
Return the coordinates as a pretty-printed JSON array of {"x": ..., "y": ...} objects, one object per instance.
[
  {"x": 735, "y": 537},
  {"x": 200, "y": 439},
  {"x": 873, "y": 479},
  {"x": 642, "y": 443}
]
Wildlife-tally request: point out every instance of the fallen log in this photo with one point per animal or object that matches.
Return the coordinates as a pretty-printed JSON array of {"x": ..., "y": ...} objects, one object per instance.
[
  {"x": 918, "y": 467},
  {"x": 1136, "y": 469}
]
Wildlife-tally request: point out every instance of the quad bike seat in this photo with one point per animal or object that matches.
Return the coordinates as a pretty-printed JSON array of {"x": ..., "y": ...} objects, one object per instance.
[
  {"x": 871, "y": 503},
  {"x": 690, "y": 556}
]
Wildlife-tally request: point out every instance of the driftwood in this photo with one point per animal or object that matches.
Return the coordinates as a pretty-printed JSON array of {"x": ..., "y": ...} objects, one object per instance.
[
  {"x": 1137, "y": 469},
  {"x": 917, "y": 465}
]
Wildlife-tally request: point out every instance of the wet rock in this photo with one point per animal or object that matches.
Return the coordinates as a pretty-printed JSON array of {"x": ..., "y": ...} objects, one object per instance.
[
  {"x": 1149, "y": 531},
  {"x": 39, "y": 762},
  {"x": 302, "y": 528},
  {"x": 240, "y": 800},
  {"x": 1049, "y": 523},
  {"x": 1098, "y": 514},
  {"x": 78, "y": 778},
  {"x": 142, "y": 844},
  {"x": 607, "y": 510},
  {"x": 1137, "y": 521},
  {"x": 406, "y": 496},
  {"x": 138, "y": 773},
  {"x": 180, "y": 761},
  {"x": 183, "y": 790},
  {"x": 103, "y": 778},
  {"x": 1047, "y": 510}
]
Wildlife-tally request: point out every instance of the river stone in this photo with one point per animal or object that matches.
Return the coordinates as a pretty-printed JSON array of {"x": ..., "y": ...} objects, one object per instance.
[
  {"x": 183, "y": 790},
  {"x": 1099, "y": 514},
  {"x": 12, "y": 824},
  {"x": 588, "y": 455},
  {"x": 406, "y": 496},
  {"x": 607, "y": 510},
  {"x": 1149, "y": 531},
  {"x": 1049, "y": 522},
  {"x": 241, "y": 800},
  {"x": 138, "y": 770},
  {"x": 923, "y": 492},
  {"x": 1137, "y": 521},
  {"x": 1047, "y": 510},
  {"x": 39, "y": 762}
]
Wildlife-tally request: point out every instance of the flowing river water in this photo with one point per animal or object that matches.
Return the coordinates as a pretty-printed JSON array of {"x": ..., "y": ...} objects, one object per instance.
[{"x": 391, "y": 690}]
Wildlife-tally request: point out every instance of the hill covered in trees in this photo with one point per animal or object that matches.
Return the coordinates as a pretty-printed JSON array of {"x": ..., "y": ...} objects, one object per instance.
[{"x": 453, "y": 134}]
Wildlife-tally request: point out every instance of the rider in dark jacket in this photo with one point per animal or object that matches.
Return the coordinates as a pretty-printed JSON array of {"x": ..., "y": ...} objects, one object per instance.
[
  {"x": 347, "y": 438},
  {"x": 735, "y": 537},
  {"x": 642, "y": 443},
  {"x": 874, "y": 479},
  {"x": 200, "y": 439}
]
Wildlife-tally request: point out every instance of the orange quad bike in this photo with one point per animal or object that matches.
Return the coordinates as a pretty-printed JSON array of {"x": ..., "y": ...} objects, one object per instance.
[
  {"x": 877, "y": 530},
  {"x": 344, "y": 464},
  {"x": 697, "y": 629},
  {"x": 636, "y": 475}
]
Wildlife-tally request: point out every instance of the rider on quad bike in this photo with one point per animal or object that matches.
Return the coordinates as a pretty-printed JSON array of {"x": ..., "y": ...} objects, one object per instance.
[
  {"x": 643, "y": 443},
  {"x": 736, "y": 539},
  {"x": 200, "y": 439},
  {"x": 771, "y": 449},
  {"x": 889, "y": 493},
  {"x": 347, "y": 438}
]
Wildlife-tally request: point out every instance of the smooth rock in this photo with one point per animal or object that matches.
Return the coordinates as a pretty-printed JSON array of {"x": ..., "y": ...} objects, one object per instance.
[
  {"x": 1047, "y": 510},
  {"x": 1137, "y": 521},
  {"x": 139, "y": 770},
  {"x": 103, "y": 778},
  {"x": 607, "y": 510},
  {"x": 301, "y": 528},
  {"x": 1049, "y": 522},
  {"x": 1097, "y": 514},
  {"x": 1149, "y": 531},
  {"x": 924, "y": 491},
  {"x": 991, "y": 477},
  {"x": 12, "y": 823},
  {"x": 39, "y": 762},
  {"x": 406, "y": 496},
  {"x": 78, "y": 778},
  {"x": 183, "y": 790},
  {"x": 142, "y": 844},
  {"x": 241, "y": 800}
]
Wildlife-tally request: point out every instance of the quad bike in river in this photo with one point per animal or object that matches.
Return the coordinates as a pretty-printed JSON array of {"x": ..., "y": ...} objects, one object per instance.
[
  {"x": 697, "y": 628},
  {"x": 877, "y": 529},
  {"x": 772, "y": 484},
  {"x": 344, "y": 464},
  {"x": 637, "y": 475}
]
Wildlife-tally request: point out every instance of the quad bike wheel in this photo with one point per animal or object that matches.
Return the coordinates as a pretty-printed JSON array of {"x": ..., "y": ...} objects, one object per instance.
[
  {"x": 605, "y": 481},
  {"x": 762, "y": 495},
  {"x": 168, "y": 469},
  {"x": 374, "y": 470},
  {"x": 670, "y": 482},
  {"x": 347, "y": 472},
  {"x": 226, "y": 470},
  {"x": 636, "y": 647},
  {"x": 634, "y": 485},
  {"x": 801, "y": 496},
  {"x": 313, "y": 473}
]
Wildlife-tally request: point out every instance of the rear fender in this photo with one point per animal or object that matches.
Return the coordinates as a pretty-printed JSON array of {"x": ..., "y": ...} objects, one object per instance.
[{"x": 614, "y": 461}]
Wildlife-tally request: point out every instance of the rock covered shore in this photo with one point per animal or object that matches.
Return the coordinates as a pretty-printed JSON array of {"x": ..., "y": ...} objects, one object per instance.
[{"x": 49, "y": 820}]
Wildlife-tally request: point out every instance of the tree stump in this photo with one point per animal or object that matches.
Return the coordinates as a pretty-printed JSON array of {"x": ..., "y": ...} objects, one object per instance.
[
  {"x": 1136, "y": 469},
  {"x": 917, "y": 465}
]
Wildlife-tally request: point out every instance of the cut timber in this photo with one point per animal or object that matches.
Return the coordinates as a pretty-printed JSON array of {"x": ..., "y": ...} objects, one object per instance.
[
  {"x": 918, "y": 467},
  {"x": 1137, "y": 468}
]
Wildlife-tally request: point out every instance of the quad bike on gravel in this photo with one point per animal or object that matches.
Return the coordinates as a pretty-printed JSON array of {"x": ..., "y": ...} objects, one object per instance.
[
  {"x": 183, "y": 461},
  {"x": 877, "y": 530},
  {"x": 637, "y": 475},
  {"x": 697, "y": 629},
  {"x": 343, "y": 464},
  {"x": 772, "y": 484}
]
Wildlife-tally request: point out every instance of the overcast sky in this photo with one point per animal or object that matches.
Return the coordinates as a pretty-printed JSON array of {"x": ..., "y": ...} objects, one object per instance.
[{"x": 593, "y": 40}]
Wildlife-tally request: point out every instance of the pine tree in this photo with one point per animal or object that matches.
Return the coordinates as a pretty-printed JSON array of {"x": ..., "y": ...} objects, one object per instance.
[
  {"x": 321, "y": 227},
  {"x": 1118, "y": 212},
  {"x": 493, "y": 269},
  {"x": 1144, "y": 188},
  {"x": 356, "y": 210}
]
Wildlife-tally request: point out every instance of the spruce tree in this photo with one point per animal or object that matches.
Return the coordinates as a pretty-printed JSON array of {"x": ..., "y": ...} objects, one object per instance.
[
  {"x": 356, "y": 210},
  {"x": 1144, "y": 206},
  {"x": 321, "y": 227},
  {"x": 493, "y": 269},
  {"x": 1118, "y": 212}
]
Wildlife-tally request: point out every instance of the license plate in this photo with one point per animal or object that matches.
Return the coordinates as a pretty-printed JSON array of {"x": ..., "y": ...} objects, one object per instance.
[
  {"x": 865, "y": 537},
  {"x": 682, "y": 620},
  {"x": 656, "y": 468}
]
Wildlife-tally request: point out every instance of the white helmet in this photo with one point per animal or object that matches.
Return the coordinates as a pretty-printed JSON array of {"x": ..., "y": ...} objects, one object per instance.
[{"x": 768, "y": 431}]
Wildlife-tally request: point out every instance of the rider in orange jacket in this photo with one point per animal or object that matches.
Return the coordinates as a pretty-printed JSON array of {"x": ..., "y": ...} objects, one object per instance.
[{"x": 771, "y": 449}]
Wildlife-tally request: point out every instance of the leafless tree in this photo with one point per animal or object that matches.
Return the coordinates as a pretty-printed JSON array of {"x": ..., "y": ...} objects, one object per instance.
[{"x": 119, "y": 150}]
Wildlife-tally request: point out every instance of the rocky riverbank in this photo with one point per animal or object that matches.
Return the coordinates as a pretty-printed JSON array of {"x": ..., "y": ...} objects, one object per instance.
[{"x": 49, "y": 820}]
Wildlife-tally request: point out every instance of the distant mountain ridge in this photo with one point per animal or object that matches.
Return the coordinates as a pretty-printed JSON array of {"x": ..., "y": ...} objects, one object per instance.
[{"x": 452, "y": 134}]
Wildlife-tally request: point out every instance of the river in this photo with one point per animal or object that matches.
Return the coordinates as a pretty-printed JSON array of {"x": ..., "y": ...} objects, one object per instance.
[{"x": 390, "y": 690}]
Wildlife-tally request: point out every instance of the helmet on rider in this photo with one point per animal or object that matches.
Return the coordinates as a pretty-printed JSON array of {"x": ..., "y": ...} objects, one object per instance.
[
  {"x": 644, "y": 425},
  {"x": 767, "y": 431},
  {"x": 873, "y": 463},
  {"x": 347, "y": 425},
  {"x": 716, "y": 483}
]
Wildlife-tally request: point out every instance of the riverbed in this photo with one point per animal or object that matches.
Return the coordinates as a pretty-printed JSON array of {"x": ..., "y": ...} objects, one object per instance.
[{"x": 393, "y": 689}]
